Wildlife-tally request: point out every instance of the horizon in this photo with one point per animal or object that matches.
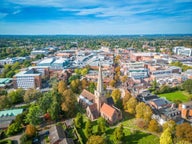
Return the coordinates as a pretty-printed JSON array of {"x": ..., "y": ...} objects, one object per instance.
[{"x": 96, "y": 17}]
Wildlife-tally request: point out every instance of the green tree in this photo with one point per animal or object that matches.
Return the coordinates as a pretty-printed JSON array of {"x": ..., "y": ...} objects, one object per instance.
[
  {"x": 88, "y": 128},
  {"x": 95, "y": 139},
  {"x": 166, "y": 137},
  {"x": 45, "y": 101},
  {"x": 91, "y": 87},
  {"x": 14, "y": 128},
  {"x": 33, "y": 116},
  {"x": 119, "y": 134},
  {"x": 187, "y": 85},
  {"x": 16, "y": 96},
  {"x": 101, "y": 125},
  {"x": 79, "y": 120}
]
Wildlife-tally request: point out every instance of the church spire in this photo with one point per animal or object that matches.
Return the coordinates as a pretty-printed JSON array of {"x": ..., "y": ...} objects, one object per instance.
[{"x": 100, "y": 81}]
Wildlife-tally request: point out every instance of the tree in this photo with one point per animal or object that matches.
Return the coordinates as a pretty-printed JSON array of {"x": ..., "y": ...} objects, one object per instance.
[
  {"x": 126, "y": 99},
  {"x": 153, "y": 126},
  {"x": 95, "y": 139},
  {"x": 68, "y": 102},
  {"x": 84, "y": 83},
  {"x": 166, "y": 137},
  {"x": 31, "y": 94},
  {"x": 30, "y": 130},
  {"x": 14, "y": 128},
  {"x": 73, "y": 77},
  {"x": 116, "y": 95},
  {"x": 33, "y": 116},
  {"x": 124, "y": 78},
  {"x": 119, "y": 134},
  {"x": 131, "y": 105},
  {"x": 112, "y": 83},
  {"x": 91, "y": 87},
  {"x": 184, "y": 132},
  {"x": 16, "y": 96},
  {"x": 187, "y": 85},
  {"x": 143, "y": 111},
  {"x": 101, "y": 125},
  {"x": 75, "y": 85},
  {"x": 169, "y": 124},
  {"x": 62, "y": 86},
  {"x": 45, "y": 101},
  {"x": 88, "y": 128},
  {"x": 79, "y": 120},
  {"x": 84, "y": 71}
]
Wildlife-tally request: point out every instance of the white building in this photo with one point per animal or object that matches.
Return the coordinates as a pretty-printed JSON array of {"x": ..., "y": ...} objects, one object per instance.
[{"x": 181, "y": 50}]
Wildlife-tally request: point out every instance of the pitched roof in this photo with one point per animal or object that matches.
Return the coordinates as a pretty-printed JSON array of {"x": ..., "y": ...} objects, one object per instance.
[
  {"x": 107, "y": 110},
  {"x": 93, "y": 110},
  {"x": 56, "y": 133},
  {"x": 87, "y": 94}
]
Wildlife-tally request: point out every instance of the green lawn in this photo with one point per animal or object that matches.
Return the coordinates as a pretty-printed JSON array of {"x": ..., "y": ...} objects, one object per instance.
[
  {"x": 132, "y": 134},
  {"x": 177, "y": 95}
]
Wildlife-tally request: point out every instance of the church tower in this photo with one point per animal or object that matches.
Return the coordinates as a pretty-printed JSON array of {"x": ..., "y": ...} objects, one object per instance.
[{"x": 99, "y": 93}]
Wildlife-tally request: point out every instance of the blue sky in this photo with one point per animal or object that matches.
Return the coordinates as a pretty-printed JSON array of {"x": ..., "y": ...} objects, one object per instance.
[{"x": 96, "y": 17}]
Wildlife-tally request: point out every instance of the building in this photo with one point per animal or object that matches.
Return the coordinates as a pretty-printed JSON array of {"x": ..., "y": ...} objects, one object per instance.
[
  {"x": 186, "y": 110},
  {"x": 181, "y": 50},
  {"x": 5, "y": 82},
  {"x": 30, "y": 78},
  {"x": 98, "y": 105},
  {"x": 12, "y": 60},
  {"x": 39, "y": 52},
  {"x": 7, "y": 116},
  {"x": 58, "y": 136}
]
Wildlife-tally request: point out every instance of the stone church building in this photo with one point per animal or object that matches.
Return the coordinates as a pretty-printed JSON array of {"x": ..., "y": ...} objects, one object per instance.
[{"x": 97, "y": 104}]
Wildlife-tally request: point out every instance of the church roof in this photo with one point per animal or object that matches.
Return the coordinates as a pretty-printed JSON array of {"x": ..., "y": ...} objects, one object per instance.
[
  {"x": 87, "y": 95},
  {"x": 93, "y": 110},
  {"x": 107, "y": 110}
]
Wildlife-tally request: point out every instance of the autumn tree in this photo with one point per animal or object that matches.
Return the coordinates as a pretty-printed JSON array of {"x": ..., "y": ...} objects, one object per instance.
[
  {"x": 166, "y": 137},
  {"x": 112, "y": 83},
  {"x": 143, "y": 111},
  {"x": 124, "y": 78},
  {"x": 184, "y": 132},
  {"x": 30, "y": 130},
  {"x": 62, "y": 86},
  {"x": 169, "y": 124},
  {"x": 84, "y": 83},
  {"x": 16, "y": 96},
  {"x": 126, "y": 99},
  {"x": 153, "y": 126},
  {"x": 75, "y": 85},
  {"x": 68, "y": 102},
  {"x": 131, "y": 105},
  {"x": 95, "y": 139},
  {"x": 116, "y": 95},
  {"x": 119, "y": 134},
  {"x": 88, "y": 128}
]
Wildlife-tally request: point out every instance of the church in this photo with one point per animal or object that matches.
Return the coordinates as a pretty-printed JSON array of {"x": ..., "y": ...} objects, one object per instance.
[{"x": 97, "y": 104}]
